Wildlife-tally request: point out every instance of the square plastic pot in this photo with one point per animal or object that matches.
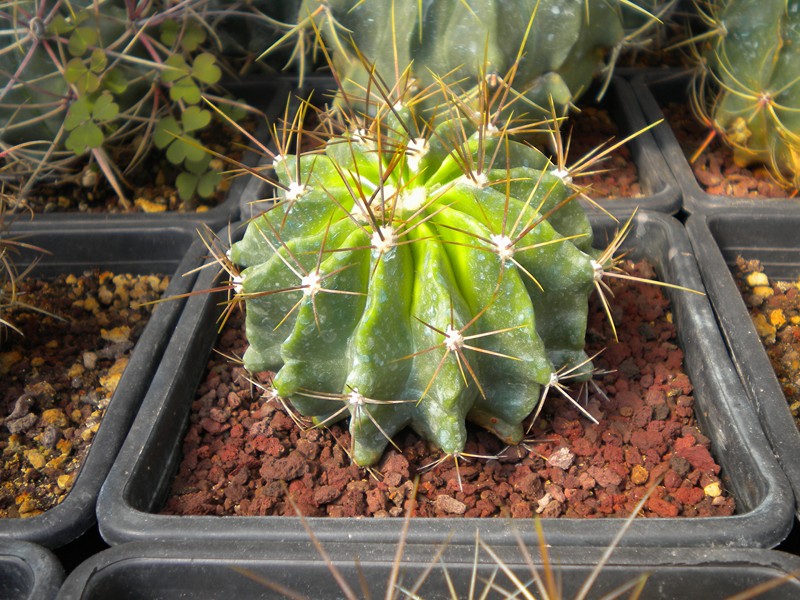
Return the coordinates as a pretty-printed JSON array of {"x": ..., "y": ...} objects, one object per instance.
[
  {"x": 265, "y": 93},
  {"x": 28, "y": 571},
  {"x": 123, "y": 249},
  {"x": 226, "y": 570},
  {"x": 140, "y": 480},
  {"x": 654, "y": 89},
  {"x": 773, "y": 239},
  {"x": 660, "y": 191}
]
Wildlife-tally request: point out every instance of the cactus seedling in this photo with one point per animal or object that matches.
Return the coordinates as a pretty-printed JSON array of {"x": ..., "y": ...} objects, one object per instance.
[{"x": 418, "y": 275}]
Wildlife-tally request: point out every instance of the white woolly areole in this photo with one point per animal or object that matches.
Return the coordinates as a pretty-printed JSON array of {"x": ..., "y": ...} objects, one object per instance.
[
  {"x": 278, "y": 159},
  {"x": 553, "y": 379},
  {"x": 385, "y": 240},
  {"x": 478, "y": 180},
  {"x": 312, "y": 283},
  {"x": 453, "y": 340},
  {"x": 415, "y": 151},
  {"x": 295, "y": 191},
  {"x": 563, "y": 175},
  {"x": 355, "y": 399},
  {"x": 237, "y": 281},
  {"x": 503, "y": 245},
  {"x": 412, "y": 200},
  {"x": 598, "y": 270}
]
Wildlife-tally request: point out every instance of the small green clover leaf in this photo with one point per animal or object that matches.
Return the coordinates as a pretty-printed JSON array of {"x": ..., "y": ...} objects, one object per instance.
[
  {"x": 80, "y": 40},
  {"x": 184, "y": 78},
  {"x": 86, "y": 77},
  {"x": 115, "y": 81},
  {"x": 193, "y": 35},
  {"x": 59, "y": 25},
  {"x": 176, "y": 68},
  {"x": 84, "y": 119},
  {"x": 198, "y": 179},
  {"x": 194, "y": 118},
  {"x": 105, "y": 108},
  {"x": 205, "y": 69},
  {"x": 174, "y": 136}
]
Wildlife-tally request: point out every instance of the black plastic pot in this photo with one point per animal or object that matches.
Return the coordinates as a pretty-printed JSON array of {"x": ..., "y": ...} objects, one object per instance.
[
  {"x": 773, "y": 239},
  {"x": 140, "y": 480},
  {"x": 266, "y": 94},
  {"x": 28, "y": 572},
  {"x": 661, "y": 193},
  {"x": 127, "y": 248},
  {"x": 654, "y": 89},
  {"x": 245, "y": 570}
]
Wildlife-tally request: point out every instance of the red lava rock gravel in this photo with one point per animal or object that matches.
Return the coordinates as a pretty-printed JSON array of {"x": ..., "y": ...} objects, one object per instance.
[
  {"x": 616, "y": 176},
  {"x": 242, "y": 455},
  {"x": 714, "y": 168}
]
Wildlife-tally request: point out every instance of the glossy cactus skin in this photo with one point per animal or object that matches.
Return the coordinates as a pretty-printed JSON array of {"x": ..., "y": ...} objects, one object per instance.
[
  {"x": 566, "y": 45},
  {"x": 394, "y": 280},
  {"x": 750, "y": 75}
]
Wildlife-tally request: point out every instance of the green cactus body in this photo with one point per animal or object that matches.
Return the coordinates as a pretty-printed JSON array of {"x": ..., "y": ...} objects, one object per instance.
[
  {"x": 753, "y": 68},
  {"x": 393, "y": 284},
  {"x": 463, "y": 41}
]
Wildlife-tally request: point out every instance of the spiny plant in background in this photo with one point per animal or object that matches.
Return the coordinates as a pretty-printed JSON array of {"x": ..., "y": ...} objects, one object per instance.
[
  {"x": 420, "y": 273},
  {"x": 747, "y": 82},
  {"x": 105, "y": 79},
  {"x": 556, "y": 47}
]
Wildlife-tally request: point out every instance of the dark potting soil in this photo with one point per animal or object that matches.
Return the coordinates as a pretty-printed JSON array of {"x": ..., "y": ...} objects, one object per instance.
[
  {"x": 774, "y": 307},
  {"x": 243, "y": 453},
  {"x": 58, "y": 377},
  {"x": 714, "y": 168}
]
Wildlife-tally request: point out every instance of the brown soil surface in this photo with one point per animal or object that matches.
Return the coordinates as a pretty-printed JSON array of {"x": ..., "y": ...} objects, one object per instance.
[
  {"x": 243, "y": 454},
  {"x": 774, "y": 307},
  {"x": 151, "y": 187},
  {"x": 616, "y": 176},
  {"x": 58, "y": 378},
  {"x": 714, "y": 168}
]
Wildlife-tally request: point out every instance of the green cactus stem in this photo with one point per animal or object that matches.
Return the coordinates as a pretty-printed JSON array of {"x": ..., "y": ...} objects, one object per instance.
[
  {"x": 419, "y": 278},
  {"x": 546, "y": 49},
  {"x": 748, "y": 82}
]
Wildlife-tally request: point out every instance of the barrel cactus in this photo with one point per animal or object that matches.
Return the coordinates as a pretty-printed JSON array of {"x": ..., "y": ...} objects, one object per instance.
[
  {"x": 748, "y": 81},
  {"x": 105, "y": 79},
  {"x": 418, "y": 277},
  {"x": 547, "y": 48}
]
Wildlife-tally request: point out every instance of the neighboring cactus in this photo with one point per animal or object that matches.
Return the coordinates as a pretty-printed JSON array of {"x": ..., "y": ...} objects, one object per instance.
[
  {"x": 562, "y": 44},
  {"x": 102, "y": 78},
  {"x": 747, "y": 85},
  {"x": 415, "y": 277}
]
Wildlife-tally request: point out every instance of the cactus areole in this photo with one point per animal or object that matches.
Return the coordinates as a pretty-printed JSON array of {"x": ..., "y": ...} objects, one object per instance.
[{"x": 422, "y": 281}]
